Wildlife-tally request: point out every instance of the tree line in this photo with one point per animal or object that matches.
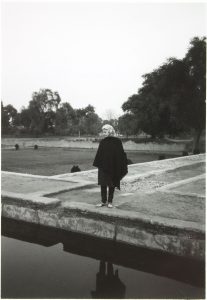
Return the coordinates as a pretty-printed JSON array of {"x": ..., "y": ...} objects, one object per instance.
[
  {"x": 171, "y": 101},
  {"x": 172, "y": 97},
  {"x": 46, "y": 114}
]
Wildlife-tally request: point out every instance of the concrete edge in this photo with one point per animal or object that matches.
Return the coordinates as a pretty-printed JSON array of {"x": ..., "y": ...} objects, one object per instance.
[
  {"x": 187, "y": 242},
  {"x": 46, "y": 177},
  {"x": 115, "y": 213},
  {"x": 24, "y": 174},
  {"x": 28, "y": 200},
  {"x": 135, "y": 177},
  {"x": 74, "y": 174},
  {"x": 194, "y": 195},
  {"x": 59, "y": 190},
  {"x": 181, "y": 182},
  {"x": 191, "y": 159},
  {"x": 34, "y": 201}
]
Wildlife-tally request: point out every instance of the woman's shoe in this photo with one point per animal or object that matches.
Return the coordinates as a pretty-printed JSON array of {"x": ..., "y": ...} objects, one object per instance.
[
  {"x": 100, "y": 204},
  {"x": 110, "y": 205}
]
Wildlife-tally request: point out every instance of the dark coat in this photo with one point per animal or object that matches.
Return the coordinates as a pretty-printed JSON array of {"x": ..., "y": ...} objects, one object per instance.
[{"x": 111, "y": 159}]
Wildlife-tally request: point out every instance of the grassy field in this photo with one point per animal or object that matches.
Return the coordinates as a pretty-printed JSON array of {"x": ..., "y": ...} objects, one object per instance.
[{"x": 53, "y": 161}]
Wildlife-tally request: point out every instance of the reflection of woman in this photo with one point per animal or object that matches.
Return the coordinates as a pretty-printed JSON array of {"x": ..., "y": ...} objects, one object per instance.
[
  {"x": 108, "y": 284},
  {"x": 111, "y": 162}
]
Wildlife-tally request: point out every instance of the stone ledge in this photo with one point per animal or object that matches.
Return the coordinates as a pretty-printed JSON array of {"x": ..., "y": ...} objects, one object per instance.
[
  {"x": 55, "y": 177},
  {"x": 187, "y": 241},
  {"x": 181, "y": 182},
  {"x": 80, "y": 186},
  {"x": 172, "y": 163},
  {"x": 29, "y": 200},
  {"x": 110, "y": 215},
  {"x": 22, "y": 213},
  {"x": 193, "y": 195},
  {"x": 181, "y": 245},
  {"x": 130, "y": 217}
]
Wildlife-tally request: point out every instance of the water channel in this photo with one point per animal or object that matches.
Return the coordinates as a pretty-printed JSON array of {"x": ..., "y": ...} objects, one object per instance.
[{"x": 40, "y": 262}]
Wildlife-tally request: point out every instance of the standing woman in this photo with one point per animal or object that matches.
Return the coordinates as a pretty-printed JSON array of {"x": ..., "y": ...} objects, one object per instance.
[{"x": 111, "y": 162}]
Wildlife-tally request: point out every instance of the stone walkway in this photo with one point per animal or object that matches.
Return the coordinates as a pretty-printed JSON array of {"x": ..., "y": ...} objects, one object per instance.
[
  {"x": 143, "y": 176},
  {"x": 157, "y": 199}
]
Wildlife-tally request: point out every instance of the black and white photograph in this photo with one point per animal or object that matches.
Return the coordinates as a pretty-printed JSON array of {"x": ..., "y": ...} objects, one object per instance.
[{"x": 103, "y": 141}]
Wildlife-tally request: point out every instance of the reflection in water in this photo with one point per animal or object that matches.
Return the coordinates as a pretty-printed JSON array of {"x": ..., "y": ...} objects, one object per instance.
[
  {"x": 70, "y": 261},
  {"x": 108, "y": 283}
]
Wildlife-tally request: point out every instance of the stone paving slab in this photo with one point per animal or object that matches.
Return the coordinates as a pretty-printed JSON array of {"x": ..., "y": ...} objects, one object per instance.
[
  {"x": 166, "y": 205},
  {"x": 161, "y": 204},
  {"x": 181, "y": 173},
  {"x": 25, "y": 200},
  {"x": 197, "y": 187},
  {"x": 34, "y": 184}
]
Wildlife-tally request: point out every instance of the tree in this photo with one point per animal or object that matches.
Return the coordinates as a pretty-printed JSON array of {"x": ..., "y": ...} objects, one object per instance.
[
  {"x": 25, "y": 117},
  {"x": 92, "y": 123},
  {"x": 127, "y": 124},
  {"x": 10, "y": 117},
  {"x": 4, "y": 119},
  {"x": 12, "y": 114},
  {"x": 83, "y": 119},
  {"x": 172, "y": 98},
  {"x": 65, "y": 116},
  {"x": 194, "y": 103},
  {"x": 43, "y": 107},
  {"x": 89, "y": 109},
  {"x": 152, "y": 105}
]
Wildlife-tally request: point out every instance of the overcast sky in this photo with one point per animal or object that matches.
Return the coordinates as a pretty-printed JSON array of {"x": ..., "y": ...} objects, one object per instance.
[{"x": 91, "y": 52}]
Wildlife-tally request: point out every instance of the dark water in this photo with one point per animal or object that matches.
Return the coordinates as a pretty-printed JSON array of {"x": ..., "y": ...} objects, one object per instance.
[{"x": 38, "y": 262}]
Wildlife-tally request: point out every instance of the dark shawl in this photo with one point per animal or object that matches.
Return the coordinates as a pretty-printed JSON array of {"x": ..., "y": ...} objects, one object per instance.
[{"x": 111, "y": 159}]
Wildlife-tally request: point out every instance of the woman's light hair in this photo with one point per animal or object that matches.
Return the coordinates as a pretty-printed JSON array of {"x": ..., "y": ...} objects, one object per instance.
[{"x": 108, "y": 130}]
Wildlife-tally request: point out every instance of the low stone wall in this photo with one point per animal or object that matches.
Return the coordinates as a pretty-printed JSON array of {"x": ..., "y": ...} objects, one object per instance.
[
  {"x": 140, "y": 231},
  {"x": 90, "y": 144},
  {"x": 154, "y": 147},
  {"x": 50, "y": 142}
]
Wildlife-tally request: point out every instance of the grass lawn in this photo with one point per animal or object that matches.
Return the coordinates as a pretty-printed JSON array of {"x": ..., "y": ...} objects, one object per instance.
[{"x": 54, "y": 161}]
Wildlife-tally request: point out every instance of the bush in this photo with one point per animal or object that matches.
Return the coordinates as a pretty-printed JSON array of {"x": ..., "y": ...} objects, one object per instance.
[
  {"x": 185, "y": 153},
  {"x": 17, "y": 146},
  {"x": 35, "y": 147},
  {"x": 162, "y": 156},
  {"x": 196, "y": 151}
]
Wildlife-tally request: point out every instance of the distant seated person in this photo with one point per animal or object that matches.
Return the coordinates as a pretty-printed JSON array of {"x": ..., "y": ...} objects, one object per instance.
[{"x": 75, "y": 169}]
